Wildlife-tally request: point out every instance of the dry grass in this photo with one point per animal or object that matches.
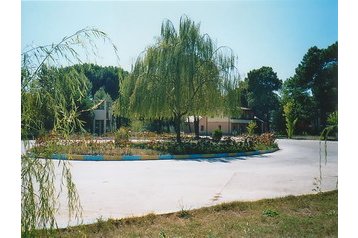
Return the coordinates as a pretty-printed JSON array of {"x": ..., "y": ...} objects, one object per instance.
[{"x": 302, "y": 216}]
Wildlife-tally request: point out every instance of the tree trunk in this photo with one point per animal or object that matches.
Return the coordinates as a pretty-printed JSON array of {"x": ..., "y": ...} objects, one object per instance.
[
  {"x": 177, "y": 120},
  {"x": 196, "y": 127},
  {"x": 168, "y": 126},
  {"x": 161, "y": 125},
  {"x": 189, "y": 125},
  {"x": 267, "y": 129}
]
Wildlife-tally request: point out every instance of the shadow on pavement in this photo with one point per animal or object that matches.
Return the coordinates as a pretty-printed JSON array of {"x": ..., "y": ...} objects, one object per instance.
[{"x": 224, "y": 159}]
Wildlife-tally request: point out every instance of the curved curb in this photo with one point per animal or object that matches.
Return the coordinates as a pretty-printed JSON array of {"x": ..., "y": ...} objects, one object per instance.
[{"x": 156, "y": 157}]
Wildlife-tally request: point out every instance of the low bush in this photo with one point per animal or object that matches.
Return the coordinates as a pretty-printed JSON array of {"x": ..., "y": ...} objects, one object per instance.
[
  {"x": 267, "y": 139},
  {"x": 122, "y": 145},
  {"x": 217, "y": 135},
  {"x": 207, "y": 146},
  {"x": 251, "y": 127},
  {"x": 121, "y": 137}
]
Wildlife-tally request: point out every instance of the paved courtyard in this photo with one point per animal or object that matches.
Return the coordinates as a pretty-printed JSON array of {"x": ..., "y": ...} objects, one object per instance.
[{"x": 116, "y": 189}]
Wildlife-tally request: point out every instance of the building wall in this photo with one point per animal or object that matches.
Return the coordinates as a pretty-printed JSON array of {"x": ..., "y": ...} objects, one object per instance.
[
  {"x": 228, "y": 126},
  {"x": 208, "y": 125},
  {"x": 99, "y": 114},
  {"x": 102, "y": 117}
]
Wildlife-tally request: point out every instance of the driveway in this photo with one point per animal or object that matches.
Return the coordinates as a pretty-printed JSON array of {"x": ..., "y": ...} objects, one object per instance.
[{"x": 116, "y": 189}]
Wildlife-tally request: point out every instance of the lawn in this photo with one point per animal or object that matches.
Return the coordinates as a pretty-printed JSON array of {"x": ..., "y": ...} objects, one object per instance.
[{"x": 302, "y": 216}]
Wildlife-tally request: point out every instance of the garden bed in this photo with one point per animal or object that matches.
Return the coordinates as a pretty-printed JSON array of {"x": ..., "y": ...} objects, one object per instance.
[{"x": 157, "y": 149}]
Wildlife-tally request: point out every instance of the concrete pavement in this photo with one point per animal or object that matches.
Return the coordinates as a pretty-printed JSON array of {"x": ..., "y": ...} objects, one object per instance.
[{"x": 116, "y": 189}]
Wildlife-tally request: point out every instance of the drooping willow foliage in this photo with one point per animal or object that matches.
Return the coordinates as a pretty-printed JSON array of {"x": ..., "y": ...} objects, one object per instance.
[
  {"x": 50, "y": 93},
  {"x": 183, "y": 73}
]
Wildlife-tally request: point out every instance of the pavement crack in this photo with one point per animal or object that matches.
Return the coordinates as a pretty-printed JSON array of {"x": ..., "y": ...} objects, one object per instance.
[{"x": 218, "y": 195}]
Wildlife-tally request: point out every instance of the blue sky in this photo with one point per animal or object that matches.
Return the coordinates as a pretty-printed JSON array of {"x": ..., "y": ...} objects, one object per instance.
[{"x": 274, "y": 33}]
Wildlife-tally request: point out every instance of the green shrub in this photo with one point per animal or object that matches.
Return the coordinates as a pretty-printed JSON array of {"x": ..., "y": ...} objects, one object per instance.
[
  {"x": 137, "y": 126},
  {"x": 121, "y": 137},
  {"x": 270, "y": 213},
  {"x": 332, "y": 126},
  {"x": 291, "y": 120},
  {"x": 251, "y": 127},
  {"x": 202, "y": 146},
  {"x": 217, "y": 135}
]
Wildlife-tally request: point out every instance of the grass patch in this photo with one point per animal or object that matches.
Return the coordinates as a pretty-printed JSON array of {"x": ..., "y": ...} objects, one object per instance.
[{"x": 302, "y": 216}]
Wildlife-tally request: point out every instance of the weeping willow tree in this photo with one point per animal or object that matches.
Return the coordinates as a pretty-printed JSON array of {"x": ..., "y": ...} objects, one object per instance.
[
  {"x": 52, "y": 93},
  {"x": 183, "y": 73}
]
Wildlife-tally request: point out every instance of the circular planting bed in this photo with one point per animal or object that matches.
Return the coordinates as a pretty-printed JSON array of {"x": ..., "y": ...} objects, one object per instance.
[{"x": 156, "y": 149}]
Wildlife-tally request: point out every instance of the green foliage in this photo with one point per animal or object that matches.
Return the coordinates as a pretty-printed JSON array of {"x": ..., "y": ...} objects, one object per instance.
[
  {"x": 162, "y": 234},
  {"x": 217, "y": 134},
  {"x": 332, "y": 126},
  {"x": 261, "y": 86},
  {"x": 269, "y": 213},
  {"x": 304, "y": 108},
  {"x": 184, "y": 214},
  {"x": 137, "y": 126},
  {"x": 206, "y": 146},
  {"x": 183, "y": 73},
  {"x": 333, "y": 119},
  {"x": 314, "y": 87},
  {"x": 251, "y": 127},
  {"x": 101, "y": 94},
  {"x": 106, "y": 77},
  {"x": 50, "y": 99},
  {"x": 278, "y": 121},
  {"x": 290, "y": 120},
  {"x": 197, "y": 147},
  {"x": 121, "y": 137}
]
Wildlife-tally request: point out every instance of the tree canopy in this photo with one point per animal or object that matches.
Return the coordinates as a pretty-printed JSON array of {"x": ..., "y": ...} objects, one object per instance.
[
  {"x": 183, "y": 73},
  {"x": 262, "y": 85},
  {"x": 106, "y": 77},
  {"x": 50, "y": 94},
  {"x": 314, "y": 87}
]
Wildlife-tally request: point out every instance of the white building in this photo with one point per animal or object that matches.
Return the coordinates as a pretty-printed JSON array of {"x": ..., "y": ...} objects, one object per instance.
[
  {"x": 103, "y": 120},
  {"x": 228, "y": 125}
]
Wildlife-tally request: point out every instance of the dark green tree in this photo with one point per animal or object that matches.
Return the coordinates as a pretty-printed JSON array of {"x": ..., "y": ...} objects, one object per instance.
[
  {"x": 318, "y": 74},
  {"x": 106, "y": 77},
  {"x": 262, "y": 85},
  {"x": 305, "y": 106},
  {"x": 243, "y": 93}
]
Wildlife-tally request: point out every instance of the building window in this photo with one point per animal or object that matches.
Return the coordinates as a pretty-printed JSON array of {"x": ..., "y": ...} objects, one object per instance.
[{"x": 201, "y": 128}]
